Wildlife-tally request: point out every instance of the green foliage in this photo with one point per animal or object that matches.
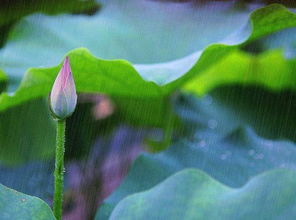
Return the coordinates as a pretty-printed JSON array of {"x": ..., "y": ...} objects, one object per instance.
[
  {"x": 3, "y": 81},
  {"x": 26, "y": 133},
  {"x": 116, "y": 78},
  {"x": 221, "y": 145},
  {"x": 191, "y": 194},
  {"x": 113, "y": 34},
  {"x": 15, "y": 9},
  {"x": 109, "y": 77},
  {"x": 225, "y": 138},
  {"x": 16, "y": 205},
  {"x": 269, "y": 113},
  {"x": 120, "y": 79},
  {"x": 3, "y": 77},
  {"x": 15, "y": 54},
  {"x": 283, "y": 39},
  {"x": 269, "y": 69}
]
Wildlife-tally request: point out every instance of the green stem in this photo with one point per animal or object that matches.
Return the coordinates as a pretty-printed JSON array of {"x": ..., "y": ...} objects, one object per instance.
[
  {"x": 169, "y": 126},
  {"x": 168, "y": 129},
  {"x": 59, "y": 169}
]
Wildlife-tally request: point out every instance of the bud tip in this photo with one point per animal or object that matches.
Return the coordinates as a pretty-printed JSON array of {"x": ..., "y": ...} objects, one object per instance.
[{"x": 63, "y": 97}]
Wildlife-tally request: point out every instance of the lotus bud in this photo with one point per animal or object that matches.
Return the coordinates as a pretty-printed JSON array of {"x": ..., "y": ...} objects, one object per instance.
[{"x": 63, "y": 97}]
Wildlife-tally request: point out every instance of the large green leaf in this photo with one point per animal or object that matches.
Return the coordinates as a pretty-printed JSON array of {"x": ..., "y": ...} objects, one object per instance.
[
  {"x": 18, "y": 206},
  {"x": 232, "y": 160},
  {"x": 139, "y": 101},
  {"x": 191, "y": 194},
  {"x": 119, "y": 78},
  {"x": 153, "y": 37},
  {"x": 220, "y": 142}
]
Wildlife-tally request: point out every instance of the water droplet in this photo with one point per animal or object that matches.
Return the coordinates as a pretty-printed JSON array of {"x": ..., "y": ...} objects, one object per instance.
[
  {"x": 202, "y": 143},
  {"x": 269, "y": 143},
  {"x": 208, "y": 100},
  {"x": 259, "y": 156},
  {"x": 225, "y": 155},
  {"x": 212, "y": 124},
  {"x": 251, "y": 152}
]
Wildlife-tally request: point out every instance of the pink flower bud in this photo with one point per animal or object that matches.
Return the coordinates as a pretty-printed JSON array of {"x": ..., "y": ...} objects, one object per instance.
[{"x": 63, "y": 97}]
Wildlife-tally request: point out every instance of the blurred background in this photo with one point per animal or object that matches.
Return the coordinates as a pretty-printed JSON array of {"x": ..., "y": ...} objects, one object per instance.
[{"x": 102, "y": 141}]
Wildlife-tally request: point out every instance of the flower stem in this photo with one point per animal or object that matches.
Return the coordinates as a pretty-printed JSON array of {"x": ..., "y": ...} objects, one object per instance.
[{"x": 59, "y": 169}]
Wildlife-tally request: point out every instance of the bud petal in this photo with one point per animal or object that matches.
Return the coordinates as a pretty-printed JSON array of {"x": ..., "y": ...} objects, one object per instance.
[{"x": 63, "y": 97}]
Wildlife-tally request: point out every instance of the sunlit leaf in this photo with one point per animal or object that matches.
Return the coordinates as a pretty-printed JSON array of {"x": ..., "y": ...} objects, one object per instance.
[
  {"x": 119, "y": 78},
  {"x": 114, "y": 33},
  {"x": 141, "y": 91},
  {"x": 270, "y": 69},
  {"x": 3, "y": 81}
]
